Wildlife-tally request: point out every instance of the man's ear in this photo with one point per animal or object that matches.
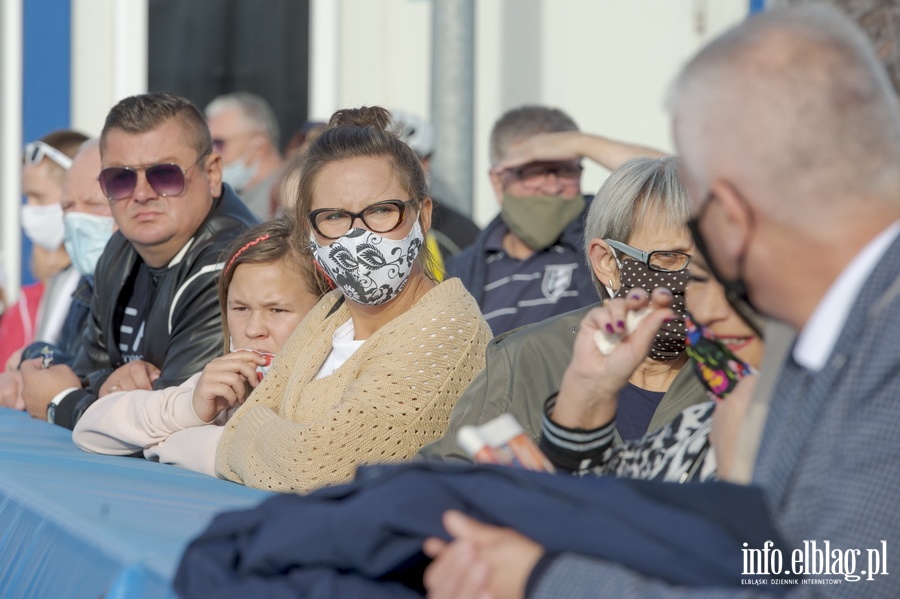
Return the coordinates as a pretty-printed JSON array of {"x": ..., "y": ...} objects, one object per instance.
[
  {"x": 497, "y": 184},
  {"x": 727, "y": 224},
  {"x": 213, "y": 165},
  {"x": 603, "y": 263}
]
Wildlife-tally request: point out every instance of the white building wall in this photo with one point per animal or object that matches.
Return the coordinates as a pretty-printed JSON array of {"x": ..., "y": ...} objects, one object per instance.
[
  {"x": 606, "y": 62},
  {"x": 109, "y": 58}
]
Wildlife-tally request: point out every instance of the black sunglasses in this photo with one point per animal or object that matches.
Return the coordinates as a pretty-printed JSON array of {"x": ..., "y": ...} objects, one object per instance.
[{"x": 118, "y": 182}]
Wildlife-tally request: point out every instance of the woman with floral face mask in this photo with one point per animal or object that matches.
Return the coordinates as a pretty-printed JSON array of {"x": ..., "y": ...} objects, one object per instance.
[{"x": 372, "y": 372}]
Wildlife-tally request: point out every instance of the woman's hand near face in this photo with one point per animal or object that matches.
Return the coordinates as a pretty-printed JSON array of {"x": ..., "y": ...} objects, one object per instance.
[
  {"x": 591, "y": 383},
  {"x": 223, "y": 383}
]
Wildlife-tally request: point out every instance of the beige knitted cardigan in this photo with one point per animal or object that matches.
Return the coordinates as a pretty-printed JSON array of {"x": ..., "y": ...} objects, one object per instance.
[{"x": 394, "y": 395}]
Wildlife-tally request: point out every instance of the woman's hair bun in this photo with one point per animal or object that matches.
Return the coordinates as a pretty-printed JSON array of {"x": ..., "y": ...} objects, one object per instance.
[{"x": 365, "y": 116}]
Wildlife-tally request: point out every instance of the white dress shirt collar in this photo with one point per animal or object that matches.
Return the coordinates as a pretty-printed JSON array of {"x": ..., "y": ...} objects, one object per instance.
[{"x": 820, "y": 334}]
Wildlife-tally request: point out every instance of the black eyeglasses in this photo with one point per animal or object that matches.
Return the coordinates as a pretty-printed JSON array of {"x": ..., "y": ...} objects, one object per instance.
[
  {"x": 38, "y": 150},
  {"x": 659, "y": 260},
  {"x": 381, "y": 217},
  {"x": 118, "y": 182}
]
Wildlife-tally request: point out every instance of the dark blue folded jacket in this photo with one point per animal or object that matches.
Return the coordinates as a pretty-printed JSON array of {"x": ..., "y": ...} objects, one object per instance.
[{"x": 364, "y": 538}]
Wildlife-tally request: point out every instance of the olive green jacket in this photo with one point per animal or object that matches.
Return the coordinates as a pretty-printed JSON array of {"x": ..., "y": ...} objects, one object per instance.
[{"x": 525, "y": 367}]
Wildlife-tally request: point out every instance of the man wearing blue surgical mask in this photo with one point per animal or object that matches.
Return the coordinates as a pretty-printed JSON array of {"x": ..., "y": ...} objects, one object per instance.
[
  {"x": 245, "y": 133},
  {"x": 88, "y": 226},
  {"x": 86, "y": 214},
  {"x": 44, "y": 164}
]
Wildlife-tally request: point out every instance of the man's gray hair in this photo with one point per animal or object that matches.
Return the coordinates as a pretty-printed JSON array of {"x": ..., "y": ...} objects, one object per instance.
[
  {"x": 643, "y": 191},
  {"x": 879, "y": 19},
  {"x": 253, "y": 109},
  {"x": 797, "y": 105},
  {"x": 526, "y": 121}
]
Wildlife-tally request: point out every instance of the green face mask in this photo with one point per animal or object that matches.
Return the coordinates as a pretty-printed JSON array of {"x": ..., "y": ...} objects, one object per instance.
[{"x": 539, "y": 220}]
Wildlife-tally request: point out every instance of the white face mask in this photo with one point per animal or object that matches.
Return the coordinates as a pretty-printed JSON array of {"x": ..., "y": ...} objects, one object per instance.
[
  {"x": 86, "y": 236},
  {"x": 43, "y": 225},
  {"x": 368, "y": 268},
  {"x": 240, "y": 172}
]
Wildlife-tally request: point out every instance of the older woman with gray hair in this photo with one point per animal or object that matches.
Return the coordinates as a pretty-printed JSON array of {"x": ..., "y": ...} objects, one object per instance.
[
  {"x": 641, "y": 209},
  {"x": 636, "y": 243},
  {"x": 578, "y": 423}
]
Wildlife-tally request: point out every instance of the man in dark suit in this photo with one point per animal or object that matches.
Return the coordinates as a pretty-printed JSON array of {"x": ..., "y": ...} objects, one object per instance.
[{"x": 789, "y": 135}]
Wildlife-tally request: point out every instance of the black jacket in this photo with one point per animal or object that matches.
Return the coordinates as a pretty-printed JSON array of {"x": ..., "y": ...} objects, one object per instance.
[{"x": 183, "y": 330}]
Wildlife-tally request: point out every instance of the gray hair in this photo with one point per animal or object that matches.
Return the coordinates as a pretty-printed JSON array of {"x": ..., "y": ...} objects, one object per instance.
[
  {"x": 524, "y": 122},
  {"x": 879, "y": 20},
  {"x": 795, "y": 106},
  {"x": 641, "y": 191},
  {"x": 254, "y": 109}
]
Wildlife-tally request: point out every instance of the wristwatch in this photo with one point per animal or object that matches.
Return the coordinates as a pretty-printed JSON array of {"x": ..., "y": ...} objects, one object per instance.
[{"x": 51, "y": 407}]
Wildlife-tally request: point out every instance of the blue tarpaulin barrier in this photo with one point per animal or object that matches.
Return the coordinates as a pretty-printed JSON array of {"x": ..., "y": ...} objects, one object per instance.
[{"x": 75, "y": 524}]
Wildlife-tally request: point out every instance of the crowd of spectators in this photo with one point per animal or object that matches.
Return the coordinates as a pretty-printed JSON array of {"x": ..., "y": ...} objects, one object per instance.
[{"x": 280, "y": 319}]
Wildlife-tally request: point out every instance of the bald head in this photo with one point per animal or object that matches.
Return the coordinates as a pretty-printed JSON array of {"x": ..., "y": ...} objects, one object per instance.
[
  {"x": 795, "y": 109},
  {"x": 81, "y": 189}
]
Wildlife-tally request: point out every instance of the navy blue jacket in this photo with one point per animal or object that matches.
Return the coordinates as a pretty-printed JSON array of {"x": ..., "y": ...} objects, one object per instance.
[
  {"x": 364, "y": 538},
  {"x": 70, "y": 335}
]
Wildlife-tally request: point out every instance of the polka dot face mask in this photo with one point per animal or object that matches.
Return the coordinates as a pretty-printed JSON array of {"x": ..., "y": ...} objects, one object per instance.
[{"x": 669, "y": 341}]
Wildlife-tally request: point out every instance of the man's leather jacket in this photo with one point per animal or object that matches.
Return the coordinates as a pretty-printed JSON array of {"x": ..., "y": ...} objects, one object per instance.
[{"x": 183, "y": 327}]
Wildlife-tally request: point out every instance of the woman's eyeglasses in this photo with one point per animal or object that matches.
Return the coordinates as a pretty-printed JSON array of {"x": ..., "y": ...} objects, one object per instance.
[
  {"x": 382, "y": 217},
  {"x": 118, "y": 182},
  {"x": 659, "y": 260},
  {"x": 38, "y": 150}
]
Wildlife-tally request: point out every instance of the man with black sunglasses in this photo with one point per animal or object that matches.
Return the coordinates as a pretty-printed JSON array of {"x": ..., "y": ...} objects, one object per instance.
[{"x": 154, "y": 312}]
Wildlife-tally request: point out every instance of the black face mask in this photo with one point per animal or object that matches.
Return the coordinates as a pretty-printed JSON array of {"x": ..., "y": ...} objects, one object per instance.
[
  {"x": 735, "y": 290},
  {"x": 669, "y": 341}
]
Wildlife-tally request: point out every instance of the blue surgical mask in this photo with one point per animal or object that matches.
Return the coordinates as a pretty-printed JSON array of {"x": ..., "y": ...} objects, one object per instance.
[
  {"x": 239, "y": 172},
  {"x": 86, "y": 237}
]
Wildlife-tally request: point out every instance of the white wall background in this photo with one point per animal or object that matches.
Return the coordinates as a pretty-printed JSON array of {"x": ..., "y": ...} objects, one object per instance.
[
  {"x": 606, "y": 62},
  {"x": 109, "y": 58}
]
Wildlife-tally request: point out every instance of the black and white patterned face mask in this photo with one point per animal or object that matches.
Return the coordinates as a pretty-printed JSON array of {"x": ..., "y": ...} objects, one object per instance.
[
  {"x": 367, "y": 267},
  {"x": 669, "y": 341}
]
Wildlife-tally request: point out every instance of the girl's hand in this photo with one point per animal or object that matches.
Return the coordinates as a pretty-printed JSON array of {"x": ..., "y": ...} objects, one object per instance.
[{"x": 224, "y": 383}]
